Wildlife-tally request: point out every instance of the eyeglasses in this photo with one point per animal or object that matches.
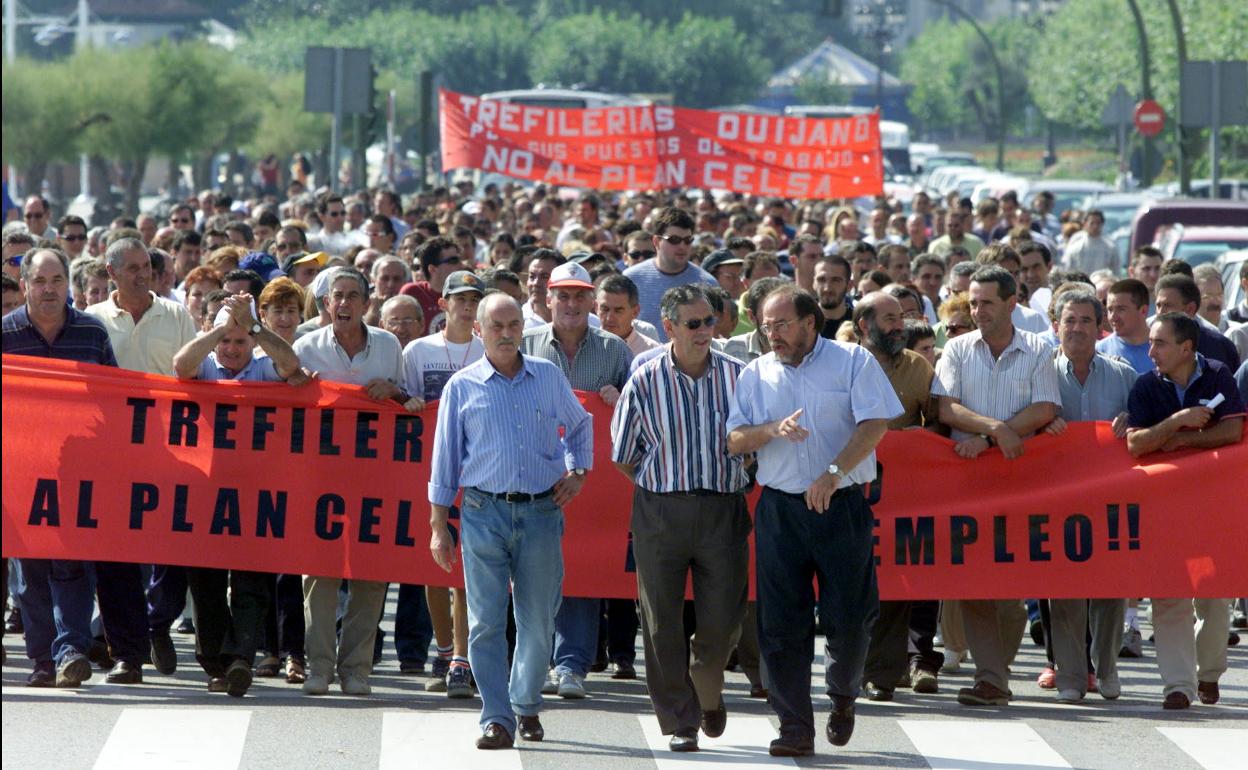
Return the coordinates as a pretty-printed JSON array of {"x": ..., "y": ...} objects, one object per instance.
[
  {"x": 180, "y": 221},
  {"x": 958, "y": 328},
  {"x": 14, "y": 261},
  {"x": 641, "y": 255},
  {"x": 404, "y": 321},
  {"x": 779, "y": 327},
  {"x": 693, "y": 324},
  {"x": 449, "y": 261},
  {"x": 337, "y": 213},
  {"x": 73, "y": 238},
  {"x": 677, "y": 240}
]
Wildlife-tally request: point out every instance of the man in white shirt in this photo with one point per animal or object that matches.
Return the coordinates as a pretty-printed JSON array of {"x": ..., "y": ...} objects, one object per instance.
[{"x": 1088, "y": 250}]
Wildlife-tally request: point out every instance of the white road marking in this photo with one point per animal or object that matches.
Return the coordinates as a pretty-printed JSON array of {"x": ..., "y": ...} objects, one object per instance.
[
  {"x": 743, "y": 745},
  {"x": 981, "y": 745},
  {"x": 203, "y": 739},
  {"x": 1215, "y": 748}
]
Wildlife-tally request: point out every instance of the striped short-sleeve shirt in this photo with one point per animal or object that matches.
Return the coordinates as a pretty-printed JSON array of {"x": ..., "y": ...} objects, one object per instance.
[{"x": 673, "y": 428}]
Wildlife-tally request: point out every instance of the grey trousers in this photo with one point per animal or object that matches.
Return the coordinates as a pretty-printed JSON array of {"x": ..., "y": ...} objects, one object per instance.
[
  {"x": 994, "y": 631},
  {"x": 675, "y": 536},
  {"x": 1071, "y": 619}
]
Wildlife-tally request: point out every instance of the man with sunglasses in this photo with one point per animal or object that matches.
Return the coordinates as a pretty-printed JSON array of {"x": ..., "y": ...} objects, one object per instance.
[
  {"x": 639, "y": 247},
  {"x": 72, "y": 236},
  {"x": 673, "y": 242},
  {"x": 813, "y": 410},
  {"x": 439, "y": 258},
  {"x": 16, "y": 243},
  {"x": 35, "y": 213},
  {"x": 333, "y": 239},
  {"x": 689, "y": 516},
  {"x": 182, "y": 218}
]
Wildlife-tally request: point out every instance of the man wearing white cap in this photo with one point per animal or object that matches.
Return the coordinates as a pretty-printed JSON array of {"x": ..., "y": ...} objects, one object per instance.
[{"x": 596, "y": 361}]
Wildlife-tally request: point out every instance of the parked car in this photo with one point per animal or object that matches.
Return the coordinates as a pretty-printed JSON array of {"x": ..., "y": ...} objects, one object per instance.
[
  {"x": 1119, "y": 208},
  {"x": 1229, "y": 265},
  {"x": 1067, "y": 193},
  {"x": 1154, "y": 215},
  {"x": 1198, "y": 245}
]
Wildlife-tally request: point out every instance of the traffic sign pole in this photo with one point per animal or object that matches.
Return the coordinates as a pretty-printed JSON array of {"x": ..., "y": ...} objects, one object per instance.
[{"x": 1215, "y": 126}]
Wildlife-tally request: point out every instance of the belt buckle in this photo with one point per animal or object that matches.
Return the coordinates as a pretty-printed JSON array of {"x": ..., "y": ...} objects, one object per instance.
[{"x": 515, "y": 497}]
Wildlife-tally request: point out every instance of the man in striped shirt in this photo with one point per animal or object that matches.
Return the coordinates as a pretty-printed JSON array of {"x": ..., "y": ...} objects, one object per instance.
[
  {"x": 689, "y": 515},
  {"x": 997, "y": 387}
]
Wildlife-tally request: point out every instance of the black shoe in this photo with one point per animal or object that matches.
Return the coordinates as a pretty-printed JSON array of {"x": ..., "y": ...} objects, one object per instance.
[
  {"x": 758, "y": 691},
  {"x": 877, "y": 693},
  {"x": 187, "y": 626},
  {"x": 622, "y": 669},
  {"x": 238, "y": 679},
  {"x": 495, "y": 737},
  {"x": 714, "y": 721},
  {"x": 73, "y": 671},
  {"x": 44, "y": 675},
  {"x": 164, "y": 656},
  {"x": 1232, "y": 639},
  {"x": 531, "y": 729},
  {"x": 1176, "y": 701},
  {"x": 1207, "y": 692},
  {"x": 684, "y": 740},
  {"x": 733, "y": 663},
  {"x": 598, "y": 666},
  {"x": 13, "y": 623},
  {"x": 841, "y": 721},
  {"x": 791, "y": 746},
  {"x": 1037, "y": 632},
  {"x": 98, "y": 654},
  {"x": 411, "y": 668},
  {"x": 218, "y": 684},
  {"x": 124, "y": 673}
]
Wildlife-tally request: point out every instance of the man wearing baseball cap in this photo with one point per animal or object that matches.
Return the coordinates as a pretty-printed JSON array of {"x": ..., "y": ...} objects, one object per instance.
[
  {"x": 726, "y": 267},
  {"x": 596, "y": 361}
]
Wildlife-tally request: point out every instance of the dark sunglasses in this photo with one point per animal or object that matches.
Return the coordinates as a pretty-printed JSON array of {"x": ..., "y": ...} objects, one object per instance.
[
  {"x": 677, "y": 240},
  {"x": 14, "y": 261},
  {"x": 450, "y": 261},
  {"x": 642, "y": 254},
  {"x": 180, "y": 221},
  {"x": 693, "y": 324},
  {"x": 955, "y": 328},
  {"x": 72, "y": 238},
  {"x": 335, "y": 213}
]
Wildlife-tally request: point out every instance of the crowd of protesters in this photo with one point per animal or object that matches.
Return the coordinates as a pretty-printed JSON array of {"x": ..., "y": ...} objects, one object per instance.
[{"x": 740, "y": 341}]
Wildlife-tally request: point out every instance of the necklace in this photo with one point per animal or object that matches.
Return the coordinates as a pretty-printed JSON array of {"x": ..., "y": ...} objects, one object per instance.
[{"x": 447, "y": 350}]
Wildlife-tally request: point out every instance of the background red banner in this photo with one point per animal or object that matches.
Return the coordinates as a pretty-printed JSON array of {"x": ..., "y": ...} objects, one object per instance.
[{"x": 265, "y": 476}]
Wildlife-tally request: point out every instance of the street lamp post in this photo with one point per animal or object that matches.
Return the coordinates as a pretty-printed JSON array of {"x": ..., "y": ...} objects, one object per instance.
[
  {"x": 878, "y": 20},
  {"x": 996, "y": 64}
]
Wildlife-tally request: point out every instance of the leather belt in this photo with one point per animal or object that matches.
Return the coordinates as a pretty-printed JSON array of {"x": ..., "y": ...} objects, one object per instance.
[{"x": 516, "y": 497}]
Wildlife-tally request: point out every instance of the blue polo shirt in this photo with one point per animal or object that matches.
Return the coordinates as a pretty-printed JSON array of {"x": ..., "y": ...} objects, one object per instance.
[
  {"x": 1155, "y": 397},
  {"x": 82, "y": 338}
]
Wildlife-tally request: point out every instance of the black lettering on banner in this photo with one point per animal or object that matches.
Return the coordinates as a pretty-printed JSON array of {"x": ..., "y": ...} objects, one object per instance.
[
  {"x": 261, "y": 427},
  {"x": 328, "y": 505},
  {"x": 138, "y": 420},
  {"x": 143, "y": 498},
  {"x": 365, "y": 432},
  {"x": 963, "y": 530},
  {"x": 408, "y": 428},
  {"x": 180, "y": 523},
  {"x": 297, "y": 416},
  {"x": 1037, "y": 537},
  {"x": 182, "y": 428},
  {"x": 328, "y": 448},
  {"x": 1078, "y": 537},
  {"x": 85, "y": 520},
  {"x": 271, "y": 514},
  {"x": 402, "y": 532},
  {"x": 369, "y": 519},
  {"x": 222, "y": 425},
  {"x": 1000, "y": 546},
  {"x": 915, "y": 541},
  {"x": 45, "y": 508},
  {"x": 225, "y": 514}
]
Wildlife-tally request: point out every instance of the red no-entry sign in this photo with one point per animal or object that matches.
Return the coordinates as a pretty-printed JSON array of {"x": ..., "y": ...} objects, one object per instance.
[{"x": 1149, "y": 118}]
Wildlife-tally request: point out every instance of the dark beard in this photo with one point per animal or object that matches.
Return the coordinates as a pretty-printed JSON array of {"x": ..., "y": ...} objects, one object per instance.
[{"x": 891, "y": 343}]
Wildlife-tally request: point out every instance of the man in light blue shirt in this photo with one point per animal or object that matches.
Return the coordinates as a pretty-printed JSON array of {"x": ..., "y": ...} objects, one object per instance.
[
  {"x": 669, "y": 268},
  {"x": 813, "y": 411},
  {"x": 1127, "y": 306},
  {"x": 498, "y": 440}
]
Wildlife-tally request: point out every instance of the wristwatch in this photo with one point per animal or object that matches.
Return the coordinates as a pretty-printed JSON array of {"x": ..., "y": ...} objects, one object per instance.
[
  {"x": 987, "y": 439},
  {"x": 255, "y": 329},
  {"x": 580, "y": 472},
  {"x": 835, "y": 470}
]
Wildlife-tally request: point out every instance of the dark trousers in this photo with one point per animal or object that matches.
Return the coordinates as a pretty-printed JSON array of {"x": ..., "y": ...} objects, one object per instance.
[
  {"x": 413, "y": 630},
  {"x": 284, "y": 629},
  {"x": 230, "y": 629},
  {"x": 675, "y": 536},
  {"x": 795, "y": 546},
  {"x": 888, "y": 658},
  {"x": 924, "y": 620},
  {"x": 123, "y": 610},
  {"x": 617, "y": 631},
  {"x": 166, "y": 597}
]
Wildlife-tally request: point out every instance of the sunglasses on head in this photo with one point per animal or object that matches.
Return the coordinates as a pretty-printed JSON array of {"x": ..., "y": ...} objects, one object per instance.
[
  {"x": 693, "y": 324},
  {"x": 678, "y": 240}
]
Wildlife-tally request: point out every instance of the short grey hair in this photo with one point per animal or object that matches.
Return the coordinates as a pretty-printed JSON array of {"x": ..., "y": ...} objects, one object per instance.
[
  {"x": 1206, "y": 272},
  {"x": 115, "y": 256},
  {"x": 390, "y": 259},
  {"x": 402, "y": 300},
  {"x": 28, "y": 261},
  {"x": 495, "y": 298},
  {"x": 677, "y": 296},
  {"x": 1078, "y": 297},
  {"x": 349, "y": 273}
]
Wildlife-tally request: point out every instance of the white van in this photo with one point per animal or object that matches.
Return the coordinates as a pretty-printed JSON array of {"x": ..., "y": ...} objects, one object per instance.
[
  {"x": 894, "y": 136},
  {"x": 565, "y": 98}
]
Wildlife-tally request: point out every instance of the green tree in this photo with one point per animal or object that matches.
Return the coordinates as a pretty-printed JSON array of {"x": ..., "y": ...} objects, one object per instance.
[
  {"x": 42, "y": 118},
  {"x": 600, "y": 51},
  {"x": 708, "y": 61}
]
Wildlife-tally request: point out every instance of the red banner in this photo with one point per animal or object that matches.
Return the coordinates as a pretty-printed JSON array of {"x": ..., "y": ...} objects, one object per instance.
[
  {"x": 103, "y": 463},
  {"x": 649, "y": 147}
]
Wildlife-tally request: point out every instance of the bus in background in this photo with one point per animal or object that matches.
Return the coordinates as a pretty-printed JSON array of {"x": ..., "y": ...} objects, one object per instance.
[
  {"x": 567, "y": 98},
  {"x": 894, "y": 136}
]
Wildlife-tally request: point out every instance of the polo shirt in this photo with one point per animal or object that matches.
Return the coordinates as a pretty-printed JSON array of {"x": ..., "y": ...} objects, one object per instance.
[
  {"x": 602, "y": 358},
  {"x": 381, "y": 358},
  {"x": 82, "y": 338},
  {"x": 150, "y": 345},
  {"x": 911, "y": 376},
  {"x": 1155, "y": 396},
  {"x": 258, "y": 369},
  {"x": 1102, "y": 396},
  {"x": 1136, "y": 355}
]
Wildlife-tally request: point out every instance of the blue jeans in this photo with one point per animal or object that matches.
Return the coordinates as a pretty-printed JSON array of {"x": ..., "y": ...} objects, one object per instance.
[
  {"x": 517, "y": 544},
  {"x": 57, "y": 598},
  {"x": 576, "y": 635}
]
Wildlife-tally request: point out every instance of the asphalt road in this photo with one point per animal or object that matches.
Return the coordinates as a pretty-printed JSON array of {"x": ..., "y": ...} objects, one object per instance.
[{"x": 173, "y": 722}]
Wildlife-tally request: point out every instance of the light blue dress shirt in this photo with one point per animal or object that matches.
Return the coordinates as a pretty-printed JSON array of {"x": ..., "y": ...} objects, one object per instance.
[
  {"x": 836, "y": 386},
  {"x": 502, "y": 435}
]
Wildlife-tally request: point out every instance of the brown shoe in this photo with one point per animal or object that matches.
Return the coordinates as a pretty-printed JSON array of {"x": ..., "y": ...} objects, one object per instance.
[
  {"x": 1207, "y": 692},
  {"x": 983, "y": 694},
  {"x": 1176, "y": 701}
]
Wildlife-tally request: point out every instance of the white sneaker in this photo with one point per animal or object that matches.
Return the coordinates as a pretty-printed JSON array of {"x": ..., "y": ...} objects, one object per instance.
[
  {"x": 316, "y": 684},
  {"x": 1109, "y": 689},
  {"x": 1069, "y": 696},
  {"x": 551, "y": 685},
  {"x": 571, "y": 686},
  {"x": 953, "y": 661},
  {"x": 356, "y": 685}
]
